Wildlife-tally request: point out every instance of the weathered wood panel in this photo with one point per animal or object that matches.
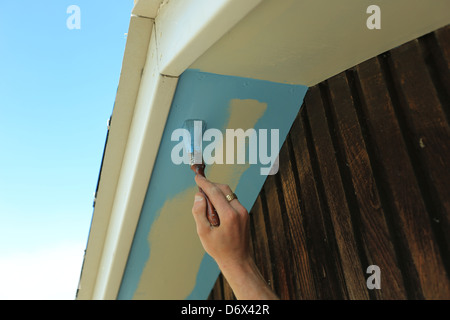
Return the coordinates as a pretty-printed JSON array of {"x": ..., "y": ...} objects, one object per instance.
[{"x": 363, "y": 180}]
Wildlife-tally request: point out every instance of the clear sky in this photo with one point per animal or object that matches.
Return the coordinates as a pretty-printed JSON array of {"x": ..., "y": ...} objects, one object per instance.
[{"x": 57, "y": 91}]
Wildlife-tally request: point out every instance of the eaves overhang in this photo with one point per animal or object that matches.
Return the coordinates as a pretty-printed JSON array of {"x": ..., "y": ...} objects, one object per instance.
[{"x": 283, "y": 41}]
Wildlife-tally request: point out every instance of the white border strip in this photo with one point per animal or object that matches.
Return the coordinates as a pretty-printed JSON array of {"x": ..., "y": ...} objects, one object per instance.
[
  {"x": 151, "y": 111},
  {"x": 134, "y": 59}
]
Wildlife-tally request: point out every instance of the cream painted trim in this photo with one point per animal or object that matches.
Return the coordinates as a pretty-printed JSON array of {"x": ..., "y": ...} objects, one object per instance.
[
  {"x": 151, "y": 111},
  {"x": 121, "y": 194},
  {"x": 146, "y": 8},
  {"x": 134, "y": 59},
  {"x": 186, "y": 29},
  {"x": 305, "y": 42}
]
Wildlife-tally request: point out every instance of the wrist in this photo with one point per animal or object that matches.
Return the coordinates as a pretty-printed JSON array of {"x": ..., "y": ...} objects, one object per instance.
[
  {"x": 246, "y": 280},
  {"x": 243, "y": 265}
]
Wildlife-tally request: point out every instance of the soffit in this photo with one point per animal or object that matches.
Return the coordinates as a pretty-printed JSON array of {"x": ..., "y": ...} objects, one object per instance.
[{"x": 305, "y": 42}]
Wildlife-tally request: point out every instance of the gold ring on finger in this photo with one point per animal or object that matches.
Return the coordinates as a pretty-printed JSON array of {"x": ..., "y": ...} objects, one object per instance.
[{"x": 231, "y": 197}]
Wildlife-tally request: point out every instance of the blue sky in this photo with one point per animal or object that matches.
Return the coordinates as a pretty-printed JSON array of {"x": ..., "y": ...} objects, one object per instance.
[{"x": 57, "y": 91}]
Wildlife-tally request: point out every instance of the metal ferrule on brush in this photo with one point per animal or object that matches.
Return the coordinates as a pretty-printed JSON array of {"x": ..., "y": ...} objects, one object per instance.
[{"x": 193, "y": 138}]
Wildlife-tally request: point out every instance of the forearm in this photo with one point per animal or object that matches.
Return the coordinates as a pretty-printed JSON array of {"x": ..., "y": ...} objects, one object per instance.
[
  {"x": 247, "y": 282},
  {"x": 229, "y": 243}
]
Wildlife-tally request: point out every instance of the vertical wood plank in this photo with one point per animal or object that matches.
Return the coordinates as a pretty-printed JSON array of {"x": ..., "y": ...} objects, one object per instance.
[
  {"x": 443, "y": 39},
  {"x": 437, "y": 62},
  {"x": 261, "y": 242},
  {"x": 323, "y": 252},
  {"x": 281, "y": 262},
  {"x": 429, "y": 135},
  {"x": 297, "y": 243},
  {"x": 335, "y": 197},
  {"x": 396, "y": 175},
  {"x": 369, "y": 221}
]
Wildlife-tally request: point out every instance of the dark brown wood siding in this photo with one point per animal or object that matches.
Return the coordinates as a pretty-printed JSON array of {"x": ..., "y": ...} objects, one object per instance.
[{"x": 363, "y": 180}]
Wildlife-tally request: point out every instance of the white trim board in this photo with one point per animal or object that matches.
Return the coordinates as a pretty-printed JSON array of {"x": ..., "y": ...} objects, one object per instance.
[
  {"x": 134, "y": 59},
  {"x": 146, "y": 8}
]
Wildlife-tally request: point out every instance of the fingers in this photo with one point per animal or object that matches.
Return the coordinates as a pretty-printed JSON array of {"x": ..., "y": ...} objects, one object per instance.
[
  {"x": 199, "y": 213},
  {"x": 235, "y": 202},
  {"x": 217, "y": 193},
  {"x": 214, "y": 194}
]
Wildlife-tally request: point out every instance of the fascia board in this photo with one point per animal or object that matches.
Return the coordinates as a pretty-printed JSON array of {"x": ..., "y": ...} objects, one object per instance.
[
  {"x": 130, "y": 78},
  {"x": 151, "y": 111}
]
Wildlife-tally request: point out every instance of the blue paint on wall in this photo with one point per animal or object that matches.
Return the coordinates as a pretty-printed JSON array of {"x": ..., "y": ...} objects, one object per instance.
[
  {"x": 206, "y": 96},
  {"x": 206, "y": 277}
]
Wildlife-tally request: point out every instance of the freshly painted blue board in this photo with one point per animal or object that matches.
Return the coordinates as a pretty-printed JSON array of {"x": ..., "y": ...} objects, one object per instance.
[{"x": 206, "y": 96}]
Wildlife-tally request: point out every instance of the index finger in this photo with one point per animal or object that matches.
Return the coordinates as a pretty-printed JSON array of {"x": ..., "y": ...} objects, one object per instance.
[{"x": 213, "y": 192}]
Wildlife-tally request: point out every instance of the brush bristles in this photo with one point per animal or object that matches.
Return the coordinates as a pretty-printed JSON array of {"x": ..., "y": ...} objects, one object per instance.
[{"x": 193, "y": 139}]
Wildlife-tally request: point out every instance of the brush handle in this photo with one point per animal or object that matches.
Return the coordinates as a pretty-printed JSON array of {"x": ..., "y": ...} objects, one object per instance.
[{"x": 211, "y": 212}]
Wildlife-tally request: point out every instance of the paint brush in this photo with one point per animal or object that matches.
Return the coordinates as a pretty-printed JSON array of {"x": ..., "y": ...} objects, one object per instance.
[{"x": 193, "y": 138}]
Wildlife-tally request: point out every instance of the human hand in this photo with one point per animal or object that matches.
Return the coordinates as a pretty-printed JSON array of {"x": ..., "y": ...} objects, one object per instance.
[{"x": 228, "y": 244}]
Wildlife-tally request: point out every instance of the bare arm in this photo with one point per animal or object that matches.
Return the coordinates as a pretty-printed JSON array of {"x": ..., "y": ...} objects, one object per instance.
[{"x": 229, "y": 243}]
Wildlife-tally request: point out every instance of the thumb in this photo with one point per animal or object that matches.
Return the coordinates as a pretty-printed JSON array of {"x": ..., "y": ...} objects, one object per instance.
[{"x": 199, "y": 212}]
